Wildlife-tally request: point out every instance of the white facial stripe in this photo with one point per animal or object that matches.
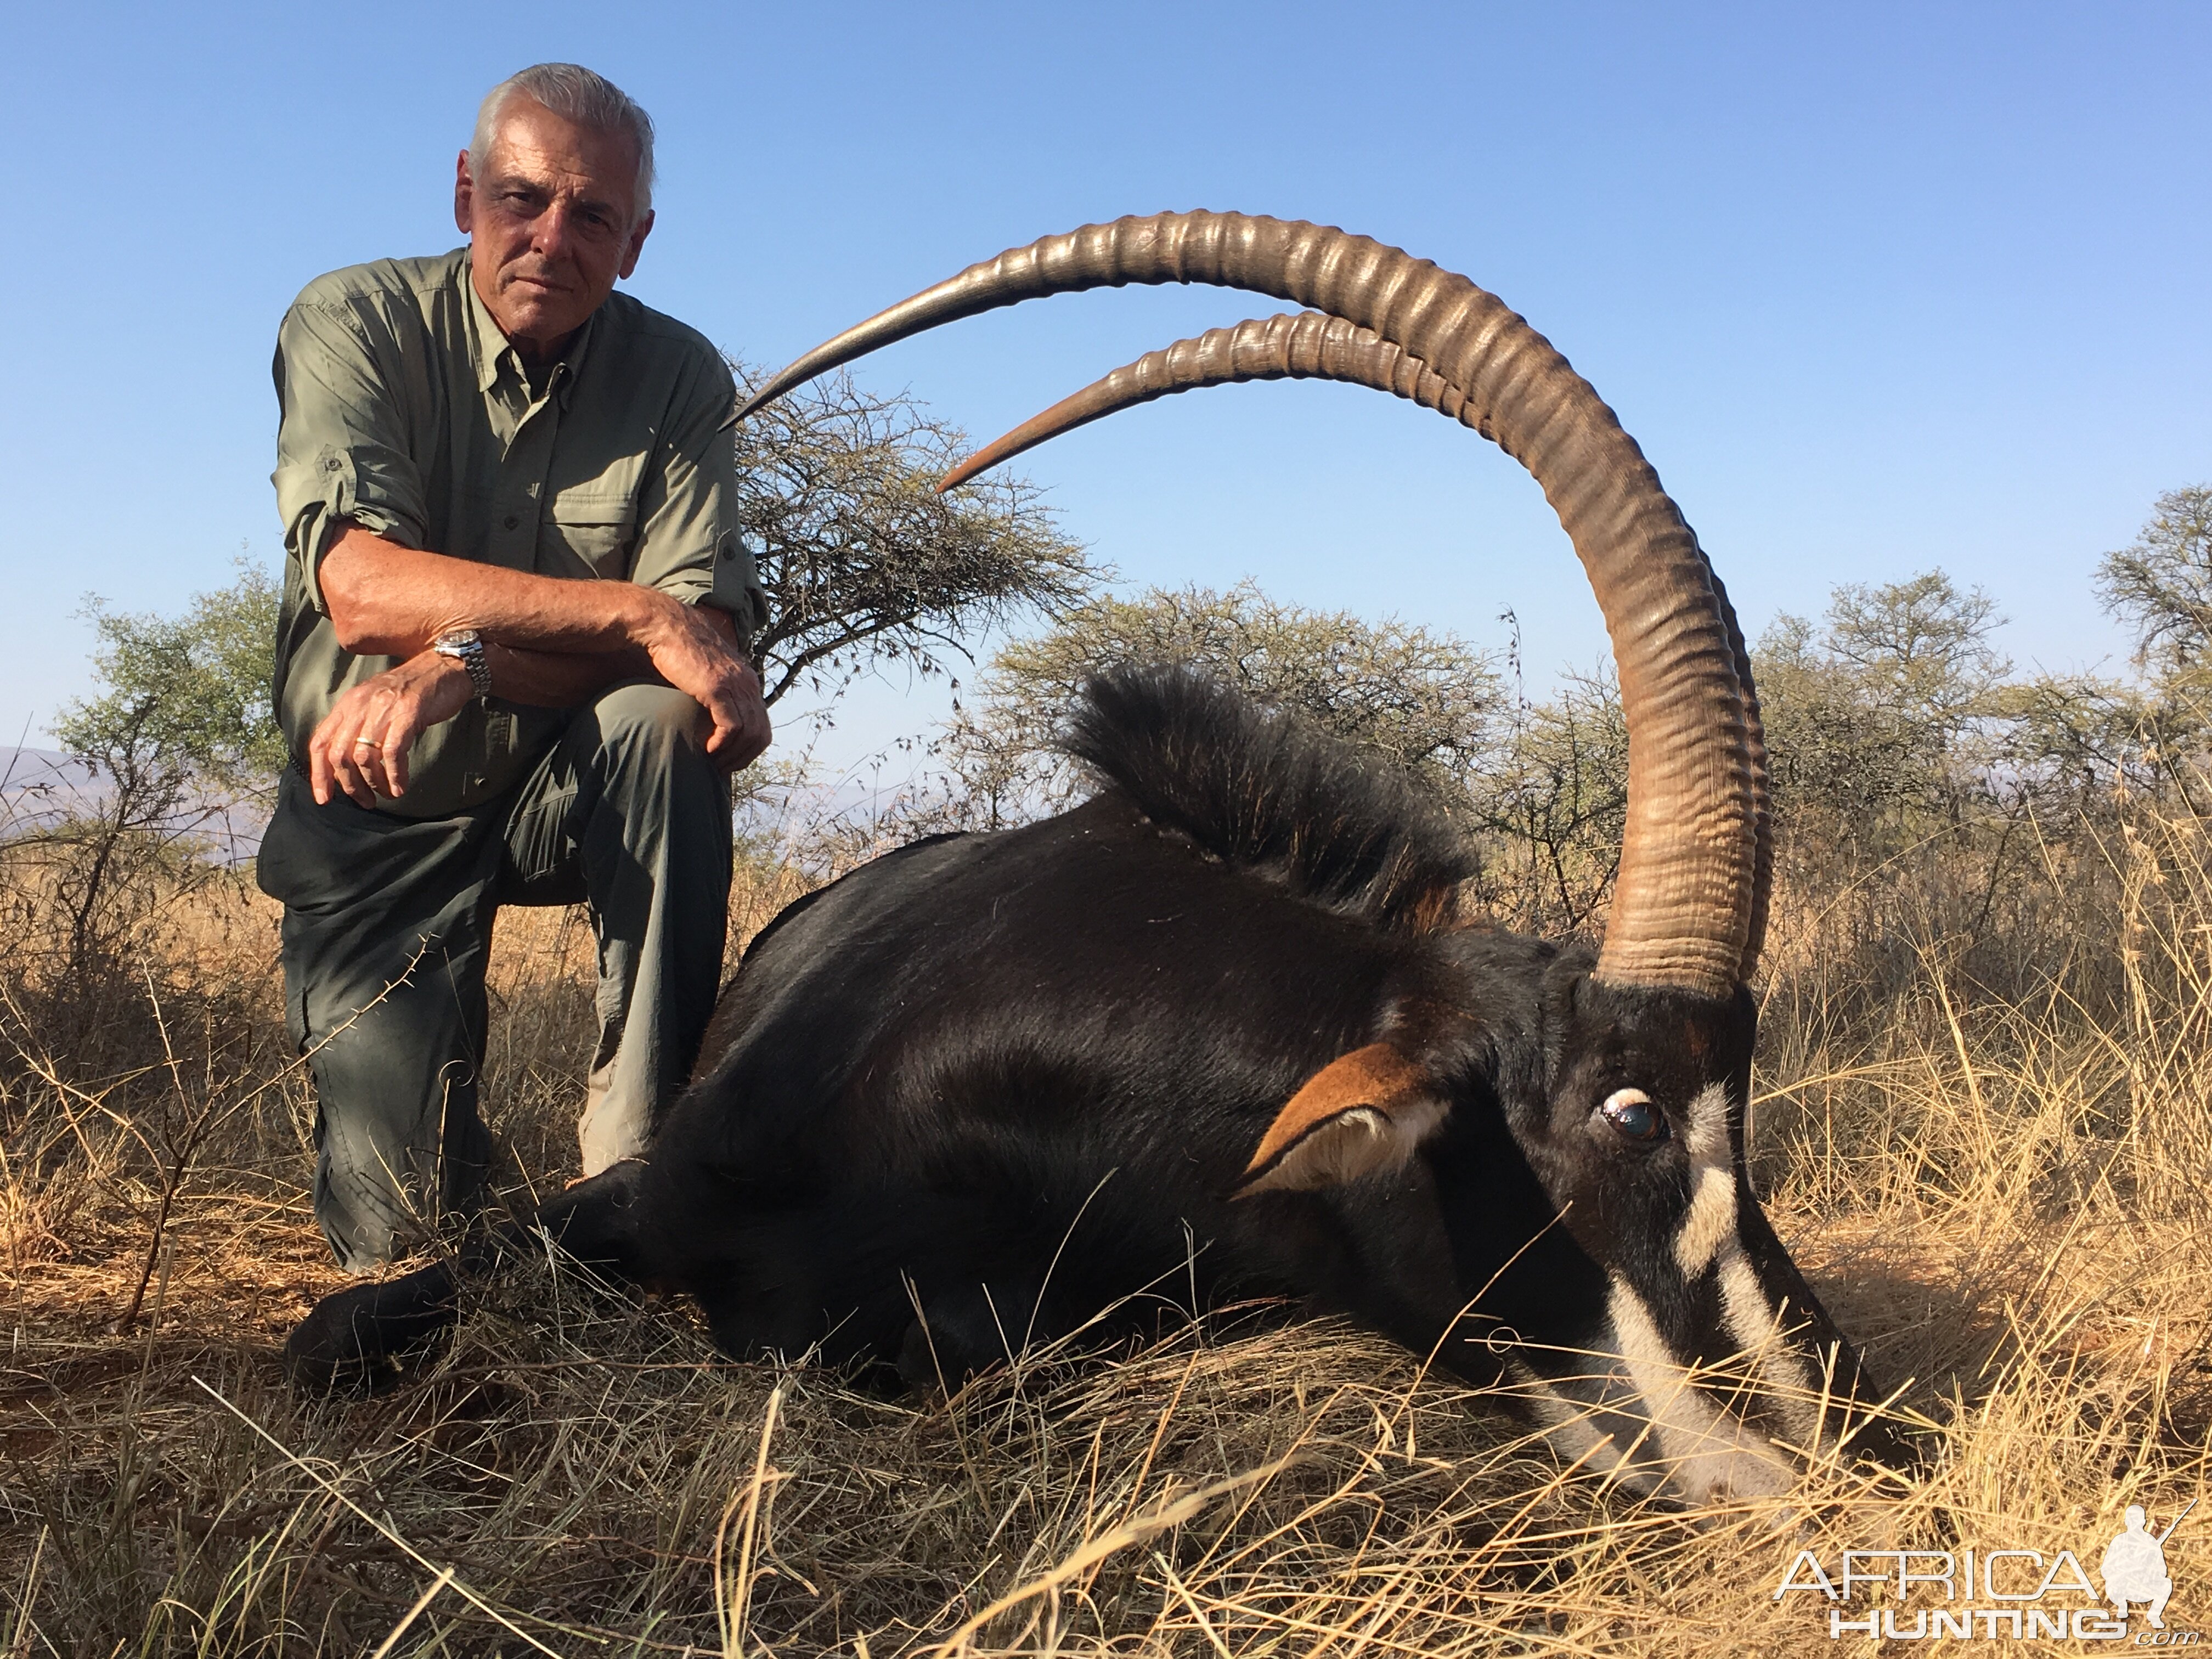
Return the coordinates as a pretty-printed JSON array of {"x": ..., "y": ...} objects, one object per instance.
[
  {"x": 1756, "y": 1325},
  {"x": 1595, "y": 1418},
  {"x": 1712, "y": 1176},
  {"x": 1708, "y": 1137},
  {"x": 1711, "y": 1223},
  {"x": 1710, "y": 1454},
  {"x": 1569, "y": 1425}
]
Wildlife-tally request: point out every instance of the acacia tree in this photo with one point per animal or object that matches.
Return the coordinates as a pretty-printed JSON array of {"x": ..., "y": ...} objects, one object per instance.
[
  {"x": 1423, "y": 700},
  {"x": 1549, "y": 806},
  {"x": 2162, "y": 585},
  {"x": 862, "y": 560},
  {"x": 182, "y": 723},
  {"x": 184, "y": 696},
  {"x": 1882, "y": 720}
]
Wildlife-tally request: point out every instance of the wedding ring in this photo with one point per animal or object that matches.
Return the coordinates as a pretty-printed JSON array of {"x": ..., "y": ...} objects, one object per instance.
[{"x": 363, "y": 743}]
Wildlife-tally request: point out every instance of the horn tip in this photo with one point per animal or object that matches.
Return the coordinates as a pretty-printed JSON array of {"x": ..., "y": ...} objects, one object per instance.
[
  {"x": 762, "y": 398},
  {"x": 793, "y": 376}
]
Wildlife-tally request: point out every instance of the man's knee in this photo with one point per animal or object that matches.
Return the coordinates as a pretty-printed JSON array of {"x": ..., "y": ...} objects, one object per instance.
[{"x": 651, "y": 722}]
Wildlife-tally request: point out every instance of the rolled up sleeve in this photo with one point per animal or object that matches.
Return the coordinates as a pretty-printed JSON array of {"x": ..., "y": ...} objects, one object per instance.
[
  {"x": 688, "y": 541},
  {"x": 341, "y": 451}
]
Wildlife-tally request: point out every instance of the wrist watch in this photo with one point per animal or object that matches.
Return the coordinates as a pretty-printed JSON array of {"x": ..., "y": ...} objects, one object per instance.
[{"x": 467, "y": 647}]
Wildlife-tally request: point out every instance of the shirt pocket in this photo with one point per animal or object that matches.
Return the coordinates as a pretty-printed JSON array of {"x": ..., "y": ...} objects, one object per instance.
[{"x": 590, "y": 529}]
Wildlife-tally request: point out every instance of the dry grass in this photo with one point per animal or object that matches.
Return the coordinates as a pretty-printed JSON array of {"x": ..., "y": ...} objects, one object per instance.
[{"x": 2003, "y": 1196}]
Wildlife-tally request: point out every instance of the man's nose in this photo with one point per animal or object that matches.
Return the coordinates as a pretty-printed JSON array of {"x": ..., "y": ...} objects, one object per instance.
[{"x": 555, "y": 232}]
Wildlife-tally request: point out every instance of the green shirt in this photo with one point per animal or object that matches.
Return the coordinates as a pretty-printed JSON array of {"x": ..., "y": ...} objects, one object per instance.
[{"x": 404, "y": 411}]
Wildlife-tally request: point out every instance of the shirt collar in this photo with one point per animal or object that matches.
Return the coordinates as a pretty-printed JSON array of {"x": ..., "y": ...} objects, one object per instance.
[
  {"x": 572, "y": 362},
  {"x": 489, "y": 344},
  {"x": 494, "y": 351}
]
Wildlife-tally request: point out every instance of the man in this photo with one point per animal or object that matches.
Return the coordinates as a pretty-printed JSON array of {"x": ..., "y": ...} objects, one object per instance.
[{"x": 512, "y": 661}]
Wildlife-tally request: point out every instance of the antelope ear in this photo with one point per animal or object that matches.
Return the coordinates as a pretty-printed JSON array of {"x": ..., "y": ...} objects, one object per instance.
[{"x": 1360, "y": 1115}]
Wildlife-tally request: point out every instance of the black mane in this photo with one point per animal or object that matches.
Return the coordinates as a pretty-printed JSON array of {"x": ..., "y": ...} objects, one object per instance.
[{"x": 1271, "y": 792}]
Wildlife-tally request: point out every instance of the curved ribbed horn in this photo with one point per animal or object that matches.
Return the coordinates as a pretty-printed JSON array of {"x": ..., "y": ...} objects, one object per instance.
[
  {"x": 1762, "y": 804},
  {"x": 1682, "y": 901},
  {"x": 1308, "y": 345},
  {"x": 1304, "y": 345}
]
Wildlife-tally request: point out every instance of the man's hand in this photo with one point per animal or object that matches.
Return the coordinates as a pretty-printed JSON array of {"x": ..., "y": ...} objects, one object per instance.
[
  {"x": 362, "y": 745},
  {"x": 694, "y": 649}
]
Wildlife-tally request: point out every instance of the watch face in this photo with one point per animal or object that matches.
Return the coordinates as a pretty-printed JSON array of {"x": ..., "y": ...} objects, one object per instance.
[{"x": 465, "y": 647}]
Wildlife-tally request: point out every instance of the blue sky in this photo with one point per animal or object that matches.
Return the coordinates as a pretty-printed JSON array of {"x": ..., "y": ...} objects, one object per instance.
[{"x": 1877, "y": 287}]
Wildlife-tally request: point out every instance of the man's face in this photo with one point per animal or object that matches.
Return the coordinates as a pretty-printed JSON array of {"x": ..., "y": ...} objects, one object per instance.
[{"x": 549, "y": 224}]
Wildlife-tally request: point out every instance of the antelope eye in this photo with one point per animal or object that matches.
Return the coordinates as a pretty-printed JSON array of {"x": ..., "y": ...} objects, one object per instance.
[{"x": 1632, "y": 1116}]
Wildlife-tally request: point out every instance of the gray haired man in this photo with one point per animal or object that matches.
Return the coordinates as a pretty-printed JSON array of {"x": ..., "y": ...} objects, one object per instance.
[{"x": 512, "y": 661}]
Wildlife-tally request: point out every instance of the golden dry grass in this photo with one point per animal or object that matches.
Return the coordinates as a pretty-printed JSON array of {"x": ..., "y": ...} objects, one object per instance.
[{"x": 2005, "y": 1199}]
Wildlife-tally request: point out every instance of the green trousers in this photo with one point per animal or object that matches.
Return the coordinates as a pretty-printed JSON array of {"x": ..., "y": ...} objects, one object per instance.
[{"x": 388, "y": 922}]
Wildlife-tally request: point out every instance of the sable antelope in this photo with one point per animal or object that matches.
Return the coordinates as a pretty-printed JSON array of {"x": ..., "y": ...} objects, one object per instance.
[{"x": 1220, "y": 1027}]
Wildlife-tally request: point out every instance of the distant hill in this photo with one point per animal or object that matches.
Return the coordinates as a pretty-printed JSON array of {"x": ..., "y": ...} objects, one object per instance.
[
  {"x": 42, "y": 788},
  {"x": 39, "y": 785}
]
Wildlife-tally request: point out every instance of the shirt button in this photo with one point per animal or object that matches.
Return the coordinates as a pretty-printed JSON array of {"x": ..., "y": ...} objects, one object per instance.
[
  {"x": 331, "y": 465},
  {"x": 475, "y": 780},
  {"x": 512, "y": 520}
]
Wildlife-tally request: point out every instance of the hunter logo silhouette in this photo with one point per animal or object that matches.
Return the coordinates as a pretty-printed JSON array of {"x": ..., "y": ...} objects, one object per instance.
[{"x": 2134, "y": 1567}]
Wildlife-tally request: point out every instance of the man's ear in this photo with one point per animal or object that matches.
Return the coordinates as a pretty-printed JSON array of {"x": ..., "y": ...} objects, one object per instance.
[
  {"x": 464, "y": 194},
  {"x": 1363, "y": 1115},
  {"x": 638, "y": 232}
]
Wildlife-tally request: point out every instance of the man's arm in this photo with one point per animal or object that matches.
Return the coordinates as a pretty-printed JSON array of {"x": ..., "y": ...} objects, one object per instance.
[
  {"x": 387, "y": 600},
  {"x": 560, "y": 679},
  {"x": 553, "y": 641}
]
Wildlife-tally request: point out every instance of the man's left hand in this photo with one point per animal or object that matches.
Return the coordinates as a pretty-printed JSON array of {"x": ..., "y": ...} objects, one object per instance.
[
  {"x": 362, "y": 745},
  {"x": 694, "y": 649}
]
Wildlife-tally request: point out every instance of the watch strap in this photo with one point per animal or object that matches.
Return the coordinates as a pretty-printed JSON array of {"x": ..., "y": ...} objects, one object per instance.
[{"x": 467, "y": 647}]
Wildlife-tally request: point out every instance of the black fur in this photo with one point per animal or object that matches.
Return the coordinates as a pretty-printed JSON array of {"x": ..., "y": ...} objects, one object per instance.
[
  {"x": 359, "y": 1340},
  {"x": 1271, "y": 793}
]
